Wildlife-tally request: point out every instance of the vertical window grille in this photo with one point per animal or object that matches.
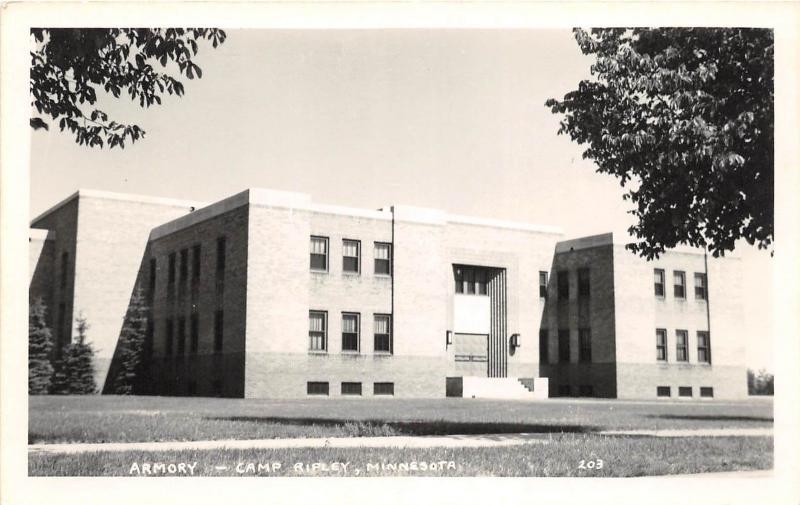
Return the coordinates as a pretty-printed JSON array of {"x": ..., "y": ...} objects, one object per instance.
[
  {"x": 703, "y": 347},
  {"x": 658, "y": 274},
  {"x": 661, "y": 344},
  {"x": 700, "y": 292}
]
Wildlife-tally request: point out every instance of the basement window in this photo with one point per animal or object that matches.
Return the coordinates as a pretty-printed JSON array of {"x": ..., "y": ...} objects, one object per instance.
[
  {"x": 384, "y": 388},
  {"x": 707, "y": 392},
  {"x": 663, "y": 391},
  {"x": 317, "y": 388},
  {"x": 351, "y": 388},
  {"x": 685, "y": 391}
]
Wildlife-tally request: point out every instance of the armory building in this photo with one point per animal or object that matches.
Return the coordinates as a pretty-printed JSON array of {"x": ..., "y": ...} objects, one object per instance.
[{"x": 268, "y": 294}]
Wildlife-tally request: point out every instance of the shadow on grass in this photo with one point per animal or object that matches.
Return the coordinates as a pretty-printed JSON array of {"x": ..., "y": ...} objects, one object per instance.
[
  {"x": 712, "y": 418},
  {"x": 415, "y": 427}
]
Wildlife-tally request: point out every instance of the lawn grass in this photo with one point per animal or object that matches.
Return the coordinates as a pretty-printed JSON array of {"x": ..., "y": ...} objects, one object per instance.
[
  {"x": 559, "y": 457},
  {"x": 55, "y": 419}
]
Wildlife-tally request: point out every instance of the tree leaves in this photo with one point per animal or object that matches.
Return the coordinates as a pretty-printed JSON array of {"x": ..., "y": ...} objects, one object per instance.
[
  {"x": 69, "y": 65},
  {"x": 686, "y": 114}
]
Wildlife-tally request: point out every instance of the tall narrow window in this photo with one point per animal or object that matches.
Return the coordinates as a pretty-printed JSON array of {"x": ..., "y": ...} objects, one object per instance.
[
  {"x": 562, "y": 277},
  {"x": 544, "y": 356},
  {"x": 319, "y": 254},
  {"x": 563, "y": 346},
  {"x": 585, "y": 345},
  {"x": 458, "y": 275},
  {"x": 383, "y": 333},
  {"x": 681, "y": 345},
  {"x": 383, "y": 258},
  {"x": 481, "y": 276},
  {"x": 194, "y": 330},
  {"x": 661, "y": 344},
  {"x": 543, "y": 285},
  {"x": 317, "y": 330},
  {"x": 469, "y": 281},
  {"x": 584, "y": 286},
  {"x": 169, "y": 337},
  {"x": 351, "y": 256},
  {"x": 221, "y": 243},
  {"x": 64, "y": 268},
  {"x": 658, "y": 274},
  {"x": 703, "y": 347},
  {"x": 218, "y": 330},
  {"x": 196, "y": 262},
  {"x": 184, "y": 272},
  {"x": 151, "y": 286},
  {"x": 700, "y": 290},
  {"x": 171, "y": 272},
  {"x": 350, "y": 332},
  {"x": 181, "y": 336},
  {"x": 680, "y": 284}
]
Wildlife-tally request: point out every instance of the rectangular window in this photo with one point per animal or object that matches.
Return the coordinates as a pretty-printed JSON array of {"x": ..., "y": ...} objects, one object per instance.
[
  {"x": 194, "y": 330},
  {"x": 317, "y": 388},
  {"x": 169, "y": 337},
  {"x": 351, "y": 256},
  {"x": 658, "y": 275},
  {"x": 351, "y": 388},
  {"x": 171, "y": 272},
  {"x": 562, "y": 278},
  {"x": 196, "y": 262},
  {"x": 585, "y": 347},
  {"x": 64, "y": 267},
  {"x": 350, "y": 329},
  {"x": 703, "y": 347},
  {"x": 218, "y": 330},
  {"x": 181, "y": 336},
  {"x": 583, "y": 283},
  {"x": 707, "y": 392},
  {"x": 544, "y": 355},
  {"x": 151, "y": 286},
  {"x": 680, "y": 284},
  {"x": 661, "y": 344},
  {"x": 563, "y": 346},
  {"x": 221, "y": 246},
  {"x": 383, "y": 388},
  {"x": 700, "y": 286},
  {"x": 317, "y": 330},
  {"x": 383, "y": 333},
  {"x": 662, "y": 391},
  {"x": 383, "y": 258},
  {"x": 681, "y": 346},
  {"x": 685, "y": 391},
  {"x": 319, "y": 254},
  {"x": 184, "y": 272},
  {"x": 543, "y": 285}
]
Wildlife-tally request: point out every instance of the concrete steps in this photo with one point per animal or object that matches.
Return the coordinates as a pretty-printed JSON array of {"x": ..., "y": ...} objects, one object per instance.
[{"x": 510, "y": 388}]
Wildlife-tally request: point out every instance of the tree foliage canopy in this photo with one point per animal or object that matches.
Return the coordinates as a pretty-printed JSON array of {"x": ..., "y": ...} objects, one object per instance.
[
  {"x": 686, "y": 117},
  {"x": 75, "y": 369},
  {"x": 130, "y": 355},
  {"x": 40, "y": 344},
  {"x": 69, "y": 66}
]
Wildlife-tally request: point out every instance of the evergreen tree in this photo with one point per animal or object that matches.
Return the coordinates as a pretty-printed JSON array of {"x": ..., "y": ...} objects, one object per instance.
[
  {"x": 40, "y": 344},
  {"x": 130, "y": 352},
  {"x": 75, "y": 370}
]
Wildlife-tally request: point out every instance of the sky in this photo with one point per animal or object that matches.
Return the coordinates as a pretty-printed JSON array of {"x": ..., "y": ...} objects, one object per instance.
[{"x": 451, "y": 119}]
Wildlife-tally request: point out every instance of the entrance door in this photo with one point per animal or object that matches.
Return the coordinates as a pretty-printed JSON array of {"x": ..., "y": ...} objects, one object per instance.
[{"x": 471, "y": 354}]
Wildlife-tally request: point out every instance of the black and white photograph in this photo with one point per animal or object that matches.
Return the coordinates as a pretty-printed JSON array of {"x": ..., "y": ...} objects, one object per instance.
[{"x": 462, "y": 252}]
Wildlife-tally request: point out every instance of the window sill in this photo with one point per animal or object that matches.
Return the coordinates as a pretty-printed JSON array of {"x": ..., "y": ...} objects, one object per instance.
[
  {"x": 383, "y": 354},
  {"x": 351, "y": 274},
  {"x": 350, "y": 353},
  {"x": 383, "y": 276},
  {"x": 318, "y": 271},
  {"x": 317, "y": 353}
]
